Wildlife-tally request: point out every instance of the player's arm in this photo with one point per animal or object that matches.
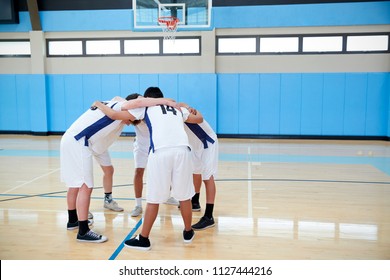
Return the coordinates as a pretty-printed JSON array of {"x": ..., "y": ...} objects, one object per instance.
[
  {"x": 194, "y": 118},
  {"x": 112, "y": 114},
  {"x": 149, "y": 102}
]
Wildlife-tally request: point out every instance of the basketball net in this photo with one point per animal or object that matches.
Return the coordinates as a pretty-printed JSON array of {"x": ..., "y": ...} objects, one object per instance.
[{"x": 169, "y": 27}]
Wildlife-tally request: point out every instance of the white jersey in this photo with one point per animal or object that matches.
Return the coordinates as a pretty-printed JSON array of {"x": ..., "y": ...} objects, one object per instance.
[
  {"x": 142, "y": 137},
  {"x": 162, "y": 122},
  {"x": 200, "y": 135},
  {"x": 96, "y": 129}
]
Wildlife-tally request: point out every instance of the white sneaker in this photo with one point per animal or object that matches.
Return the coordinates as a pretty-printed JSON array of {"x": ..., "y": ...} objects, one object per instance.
[
  {"x": 172, "y": 201},
  {"x": 90, "y": 216},
  {"x": 113, "y": 205},
  {"x": 137, "y": 211}
]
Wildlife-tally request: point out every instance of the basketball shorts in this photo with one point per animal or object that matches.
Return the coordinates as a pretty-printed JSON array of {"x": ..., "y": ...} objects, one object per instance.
[
  {"x": 76, "y": 162},
  {"x": 141, "y": 155},
  {"x": 170, "y": 174},
  {"x": 206, "y": 161}
]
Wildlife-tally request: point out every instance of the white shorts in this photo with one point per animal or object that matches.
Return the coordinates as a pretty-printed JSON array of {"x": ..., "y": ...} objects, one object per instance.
[
  {"x": 76, "y": 163},
  {"x": 206, "y": 161},
  {"x": 103, "y": 159},
  {"x": 141, "y": 155},
  {"x": 170, "y": 174}
]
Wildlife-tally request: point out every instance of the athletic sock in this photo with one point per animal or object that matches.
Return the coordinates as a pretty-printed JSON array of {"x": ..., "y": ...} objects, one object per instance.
[
  {"x": 195, "y": 198},
  {"x": 209, "y": 210},
  {"x": 108, "y": 197},
  {"x": 83, "y": 227},
  {"x": 139, "y": 201},
  {"x": 72, "y": 216}
]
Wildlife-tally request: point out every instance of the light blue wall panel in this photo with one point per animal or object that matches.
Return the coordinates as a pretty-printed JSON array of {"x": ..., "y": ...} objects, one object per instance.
[
  {"x": 330, "y": 14},
  {"x": 110, "y": 86},
  {"x": 290, "y": 110},
  {"x": 355, "y": 104},
  {"x": 333, "y": 104},
  {"x": 248, "y": 103},
  {"x": 376, "y": 112},
  {"x": 8, "y": 104},
  {"x": 228, "y": 113},
  {"x": 269, "y": 104},
  {"x": 148, "y": 80},
  {"x": 312, "y": 93},
  {"x": 38, "y": 104},
  {"x": 56, "y": 110},
  {"x": 169, "y": 85},
  {"x": 199, "y": 91},
  {"x": 73, "y": 92},
  {"x": 87, "y": 20},
  {"x": 129, "y": 83},
  {"x": 23, "y": 115}
]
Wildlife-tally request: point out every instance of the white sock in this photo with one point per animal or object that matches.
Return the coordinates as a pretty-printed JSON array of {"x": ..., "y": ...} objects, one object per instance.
[{"x": 139, "y": 201}]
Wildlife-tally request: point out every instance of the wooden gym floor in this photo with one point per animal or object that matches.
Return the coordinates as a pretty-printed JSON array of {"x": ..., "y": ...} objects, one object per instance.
[{"x": 276, "y": 200}]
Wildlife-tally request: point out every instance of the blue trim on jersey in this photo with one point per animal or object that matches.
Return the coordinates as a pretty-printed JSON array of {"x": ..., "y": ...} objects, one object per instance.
[
  {"x": 89, "y": 131},
  {"x": 149, "y": 125},
  {"x": 201, "y": 134}
]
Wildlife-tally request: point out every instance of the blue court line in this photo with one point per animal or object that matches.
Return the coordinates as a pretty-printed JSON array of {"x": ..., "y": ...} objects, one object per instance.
[
  {"x": 382, "y": 163},
  {"x": 121, "y": 246}
]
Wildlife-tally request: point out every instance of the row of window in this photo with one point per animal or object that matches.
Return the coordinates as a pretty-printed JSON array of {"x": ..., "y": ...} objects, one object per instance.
[
  {"x": 226, "y": 45},
  {"x": 292, "y": 44}
]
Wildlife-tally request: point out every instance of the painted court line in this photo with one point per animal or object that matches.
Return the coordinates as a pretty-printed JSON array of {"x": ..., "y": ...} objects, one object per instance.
[
  {"x": 121, "y": 246},
  {"x": 36, "y": 178}
]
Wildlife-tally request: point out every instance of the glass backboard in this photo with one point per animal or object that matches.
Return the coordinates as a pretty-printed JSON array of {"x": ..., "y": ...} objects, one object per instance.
[{"x": 192, "y": 14}]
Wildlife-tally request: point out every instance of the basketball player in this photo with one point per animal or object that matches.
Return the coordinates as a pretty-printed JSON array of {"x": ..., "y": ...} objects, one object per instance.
[
  {"x": 89, "y": 136},
  {"x": 169, "y": 166},
  {"x": 141, "y": 146},
  {"x": 204, "y": 145}
]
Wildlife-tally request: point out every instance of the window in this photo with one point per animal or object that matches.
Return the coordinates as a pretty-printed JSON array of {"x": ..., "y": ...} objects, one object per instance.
[
  {"x": 124, "y": 46},
  {"x": 237, "y": 45},
  {"x": 279, "y": 45},
  {"x": 142, "y": 47},
  {"x": 181, "y": 46},
  {"x": 283, "y": 44},
  {"x": 323, "y": 44},
  {"x": 368, "y": 43},
  {"x": 15, "y": 48},
  {"x": 65, "y": 48},
  {"x": 103, "y": 47}
]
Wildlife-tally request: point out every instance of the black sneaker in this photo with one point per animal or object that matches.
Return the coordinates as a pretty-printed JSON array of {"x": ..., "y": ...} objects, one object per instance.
[
  {"x": 204, "y": 223},
  {"x": 71, "y": 226},
  {"x": 91, "y": 236},
  {"x": 188, "y": 235},
  {"x": 138, "y": 242},
  {"x": 195, "y": 207}
]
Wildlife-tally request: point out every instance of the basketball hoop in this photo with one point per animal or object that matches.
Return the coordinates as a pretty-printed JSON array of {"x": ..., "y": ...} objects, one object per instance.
[{"x": 169, "y": 27}]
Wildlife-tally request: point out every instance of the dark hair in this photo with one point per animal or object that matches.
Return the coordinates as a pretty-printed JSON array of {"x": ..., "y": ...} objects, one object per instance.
[
  {"x": 153, "y": 92},
  {"x": 132, "y": 96}
]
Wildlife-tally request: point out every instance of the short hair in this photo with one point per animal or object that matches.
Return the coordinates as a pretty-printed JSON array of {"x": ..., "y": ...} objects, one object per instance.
[
  {"x": 132, "y": 96},
  {"x": 153, "y": 92}
]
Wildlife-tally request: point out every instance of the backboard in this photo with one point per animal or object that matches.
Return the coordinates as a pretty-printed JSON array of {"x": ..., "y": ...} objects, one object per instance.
[{"x": 192, "y": 14}]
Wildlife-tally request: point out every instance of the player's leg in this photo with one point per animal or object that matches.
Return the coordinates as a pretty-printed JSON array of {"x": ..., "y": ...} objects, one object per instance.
[
  {"x": 138, "y": 188},
  {"x": 197, "y": 178},
  {"x": 104, "y": 160},
  {"x": 109, "y": 202},
  {"x": 85, "y": 234}
]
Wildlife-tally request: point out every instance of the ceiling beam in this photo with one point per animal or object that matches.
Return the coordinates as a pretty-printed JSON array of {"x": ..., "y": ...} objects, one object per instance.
[{"x": 34, "y": 15}]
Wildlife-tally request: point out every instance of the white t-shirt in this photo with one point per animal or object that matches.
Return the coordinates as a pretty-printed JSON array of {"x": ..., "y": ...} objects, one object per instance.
[
  {"x": 165, "y": 124},
  {"x": 200, "y": 136},
  {"x": 96, "y": 129}
]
